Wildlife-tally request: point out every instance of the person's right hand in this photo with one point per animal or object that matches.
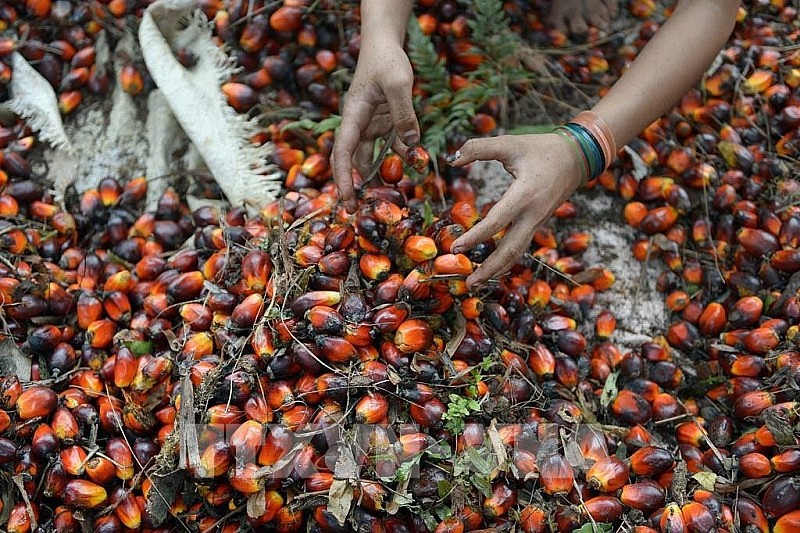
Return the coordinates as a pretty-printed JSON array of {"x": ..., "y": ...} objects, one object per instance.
[{"x": 379, "y": 100}]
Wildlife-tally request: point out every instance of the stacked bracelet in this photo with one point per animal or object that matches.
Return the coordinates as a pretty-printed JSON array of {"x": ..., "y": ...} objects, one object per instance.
[{"x": 592, "y": 138}]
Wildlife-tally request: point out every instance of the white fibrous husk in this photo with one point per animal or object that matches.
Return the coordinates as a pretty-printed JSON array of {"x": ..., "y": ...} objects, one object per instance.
[
  {"x": 34, "y": 100},
  {"x": 221, "y": 135}
]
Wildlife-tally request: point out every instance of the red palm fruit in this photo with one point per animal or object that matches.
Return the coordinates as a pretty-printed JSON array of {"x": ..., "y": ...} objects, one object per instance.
[
  {"x": 501, "y": 500},
  {"x": 9, "y": 207},
  {"x": 754, "y": 465},
  {"x": 751, "y": 404},
  {"x": 712, "y": 320},
  {"x": 603, "y": 508},
  {"x": 130, "y": 80},
  {"x": 5, "y": 421},
  {"x": 453, "y": 524},
  {"x": 539, "y": 294},
  {"x": 391, "y": 169},
  {"x": 324, "y": 319},
  {"x": 64, "y": 521},
  {"x": 555, "y": 474},
  {"x": 117, "y": 307},
  {"x": 429, "y": 414},
  {"x": 418, "y": 158},
  {"x": 100, "y": 333},
  {"x": 471, "y": 307},
  {"x": 120, "y": 453},
  {"x": 634, "y": 213},
  {"x": 786, "y": 462},
  {"x": 248, "y": 311},
  {"x": 336, "y": 349},
  {"x": 672, "y": 519},
  {"x": 277, "y": 443},
  {"x": 659, "y": 219},
  {"x": 256, "y": 269},
  {"x": 419, "y": 248},
  {"x": 787, "y": 260},
  {"x": 239, "y": 96},
  {"x": 567, "y": 372},
  {"x": 215, "y": 460},
  {"x": 286, "y": 18},
  {"x": 541, "y": 360},
  {"x": 413, "y": 335},
  {"x": 37, "y": 401},
  {"x": 89, "y": 309},
  {"x": 84, "y": 494},
  {"x": 691, "y": 433},
  {"x": 757, "y": 242},
  {"x": 245, "y": 441},
  {"x": 631, "y": 408},
  {"x": 388, "y": 319},
  {"x": 787, "y": 523},
  {"x": 465, "y": 215},
  {"x": 68, "y": 101},
  {"x": 781, "y": 496},
  {"x": 338, "y": 238},
  {"x": 371, "y": 409},
  {"x": 607, "y": 475},
  {"x": 44, "y": 444},
  {"x": 650, "y": 461},
  {"x": 296, "y": 417},
  {"x": 605, "y": 324},
  {"x": 196, "y": 315},
  {"x": 375, "y": 266},
  {"x": 245, "y": 478},
  {"x": 65, "y": 425},
  {"x": 186, "y": 286},
  {"x": 100, "y": 470},
  {"x": 665, "y": 406},
  {"x": 14, "y": 240},
  {"x": 20, "y": 520},
  {"x": 751, "y": 516},
  {"x": 306, "y": 301},
  {"x": 534, "y": 519}
]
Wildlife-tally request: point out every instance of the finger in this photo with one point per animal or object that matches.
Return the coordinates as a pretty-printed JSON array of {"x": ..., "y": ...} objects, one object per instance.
[
  {"x": 362, "y": 158},
  {"x": 514, "y": 244},
  {"x": 505, "y": 211},
  {"x": 481, "y": 150},
  {"x": 555, "y": 18},
  {"x": 599, "y": 17},
  {"x": 398, "y": 94},
  {"x": 354, "y": 121},
  {"x": 399, "y": 147}
]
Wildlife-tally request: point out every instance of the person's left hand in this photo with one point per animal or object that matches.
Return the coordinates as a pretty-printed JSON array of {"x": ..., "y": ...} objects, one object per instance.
[{"x": 546, "y": 172}]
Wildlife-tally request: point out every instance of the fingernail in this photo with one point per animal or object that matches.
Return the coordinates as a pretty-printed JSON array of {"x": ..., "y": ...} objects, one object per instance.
[
  {"x": 450, "y": 158},
  {"x": 410, "y": 137}
]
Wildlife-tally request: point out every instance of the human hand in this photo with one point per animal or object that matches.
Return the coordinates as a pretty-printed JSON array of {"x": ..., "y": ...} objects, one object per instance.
[
  {"x": 546, "y": 172},
  {"x": 378, "y": 100}
]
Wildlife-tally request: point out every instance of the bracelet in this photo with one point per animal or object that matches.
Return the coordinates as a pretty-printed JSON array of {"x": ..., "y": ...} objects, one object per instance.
[
  {"x": 591, "y": 153},
  {"x": 600, "y": 132},
  {"x": 578, "y": 150}
]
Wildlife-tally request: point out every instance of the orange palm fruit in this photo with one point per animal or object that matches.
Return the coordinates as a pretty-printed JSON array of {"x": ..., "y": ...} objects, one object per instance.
[
  {"x": 788, "y": 522},
  {"x": 120, "y": 453},
  {"x": 256, "y": 269},
  {"x": 603, "y": 508},
  {"x": 371, "y": 409},
  {"x": 659, "y": 219},
  {"x": 84, "y": 494},
  {"x": 130, "y": 80},
  {"x": 375, "y": 266},
  {"x": 650, "y": 461},
  {"x": 712, "y": 320},
  {"x": 608, "y": 474},
  {"x": 672, "y": 520},
  {"x": 36, "y": 401},
  {"x": 501, "y": 500},
  {"x": 751, "y": 515},
  {"x": 391, "y": 169},
  {"x": 248, "y": 311},
  {"x": 19, "y": 520},
  {"x": 100, "y": 470},
  {"x": 336, "y": 349},
  {"x": 413, "y": 335},
  {"x": 555, "y": 474},
  {"x": 631, "y": 408},
  {"x": 786, "y": 462},
  {"x": 605, "y": 324},
  {"x": 419, "y": 248}
]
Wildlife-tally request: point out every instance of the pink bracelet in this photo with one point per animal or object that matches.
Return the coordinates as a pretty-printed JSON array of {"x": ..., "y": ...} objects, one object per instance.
[{"x": 599, "y": 129}]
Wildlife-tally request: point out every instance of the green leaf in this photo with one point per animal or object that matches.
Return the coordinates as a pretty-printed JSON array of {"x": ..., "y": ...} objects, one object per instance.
[
  {"x": 328, "y": 124},
  {"x": 483, "y": 485},
  {"x": 444, "y": 487},
  {"x": 599, "y": 527},
  {"x": 477, "y": 461},
  {"x": 609, "y": 389},
  {"x": 706, "y": 480},
  {"x": 427, "y": 215},
  {"x": 139, "y": 348}
]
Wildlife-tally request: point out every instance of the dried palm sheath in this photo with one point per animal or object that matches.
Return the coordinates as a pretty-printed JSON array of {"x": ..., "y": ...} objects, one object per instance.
[{"x": 221, "y": 135}]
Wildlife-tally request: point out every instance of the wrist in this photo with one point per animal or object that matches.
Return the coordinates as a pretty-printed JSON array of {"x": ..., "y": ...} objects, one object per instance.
[{"x": 571, "y": 162}]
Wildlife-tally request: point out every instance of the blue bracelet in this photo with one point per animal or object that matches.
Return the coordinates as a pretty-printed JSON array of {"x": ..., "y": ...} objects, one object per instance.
[{"x": 590, "y": 148}]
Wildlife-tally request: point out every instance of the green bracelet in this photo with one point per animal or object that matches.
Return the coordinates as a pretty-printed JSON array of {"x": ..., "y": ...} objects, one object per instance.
[{"x": 576, "y": 146}]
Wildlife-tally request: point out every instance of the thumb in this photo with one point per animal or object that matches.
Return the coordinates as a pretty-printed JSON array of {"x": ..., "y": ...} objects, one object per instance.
[{"x": 487, "y": 149}]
